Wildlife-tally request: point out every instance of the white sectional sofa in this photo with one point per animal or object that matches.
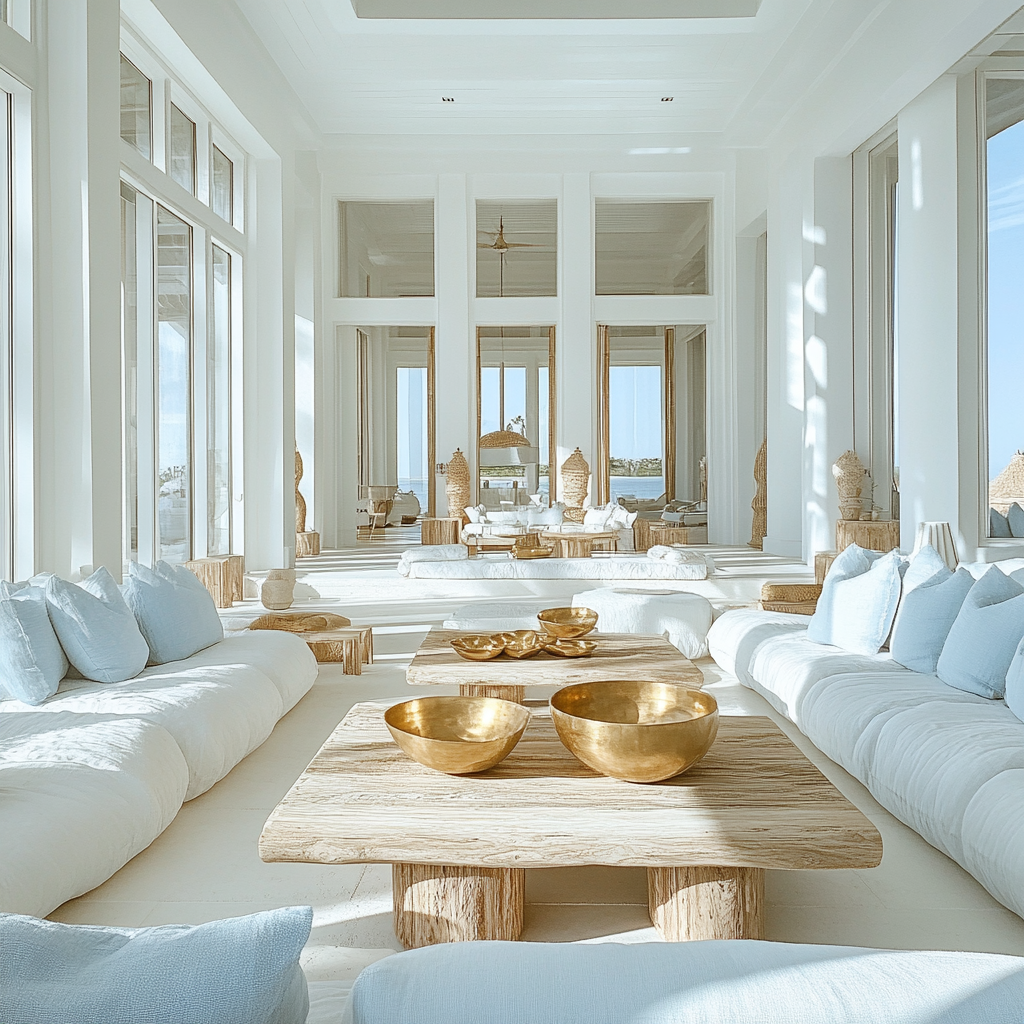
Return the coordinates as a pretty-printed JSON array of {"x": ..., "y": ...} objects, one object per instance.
[
  {"x": 946, "y": 762},
  {"x": 93, "y": 775}
]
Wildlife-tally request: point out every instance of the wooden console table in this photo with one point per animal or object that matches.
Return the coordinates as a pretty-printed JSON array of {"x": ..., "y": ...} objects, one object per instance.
[{"x": 876, "y": 535}]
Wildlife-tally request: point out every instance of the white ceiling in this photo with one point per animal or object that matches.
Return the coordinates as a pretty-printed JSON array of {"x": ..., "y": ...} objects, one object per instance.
[
  {"x": 592, "y": 77},
  {"x": 505, "y": 10}
]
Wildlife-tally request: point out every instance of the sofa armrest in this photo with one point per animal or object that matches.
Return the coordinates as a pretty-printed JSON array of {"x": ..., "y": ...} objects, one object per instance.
[{"x": 795, "y": 598}]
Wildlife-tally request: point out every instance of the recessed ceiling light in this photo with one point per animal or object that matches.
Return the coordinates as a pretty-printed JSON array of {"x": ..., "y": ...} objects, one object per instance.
[
  {"x": 447, "y": 99},
  {"x": 667, "y": 99}
]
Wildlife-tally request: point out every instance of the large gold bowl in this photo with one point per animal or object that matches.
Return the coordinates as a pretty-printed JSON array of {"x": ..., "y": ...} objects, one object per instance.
[
  {"x": 457, "y": 735},
  {"x": 636, "y": 731},
  {"x": 567, "y": 623}
]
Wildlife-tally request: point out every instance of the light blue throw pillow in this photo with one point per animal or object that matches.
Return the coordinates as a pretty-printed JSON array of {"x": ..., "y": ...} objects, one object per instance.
[
  {"x": 1015, "y": 683},
  {"x": 174, "y": 610},
  {"x": 1015, "y": 517},
  {"x": 998, "y": 524},
  {"x": 859, "y": 606},
  {"x": 984, "y": 638},
  {"x": 96, "y": 628},
  {"x": 32, "y": 663},
  {"x": 244, "y": 970},
  {"x": 926, "y": 615},
  {"x": 922, "y": 567}
]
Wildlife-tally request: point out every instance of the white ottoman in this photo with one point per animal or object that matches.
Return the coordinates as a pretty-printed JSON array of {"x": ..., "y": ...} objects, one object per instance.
[
  {"x": 494, "y": 618},
  {"x": 683, "y": 619}
]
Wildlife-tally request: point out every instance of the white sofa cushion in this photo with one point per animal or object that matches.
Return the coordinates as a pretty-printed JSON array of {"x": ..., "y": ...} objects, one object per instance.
[
  {"x": 856, "y": 608},
  {"x": 925, "y": 617},
  {"x": 983, "y": 640},
  {"x": 80, "y": 795},
  {"x": 242, "y": 970},
  {"x": 175, "y": 612},
  {"x": 993, "y": 838},
  {"x": 96, "y": 628},
  {"x": 735, "y": 637},
  {"x": 613, "y": 567},
  {"x": 32, "y": 662}
]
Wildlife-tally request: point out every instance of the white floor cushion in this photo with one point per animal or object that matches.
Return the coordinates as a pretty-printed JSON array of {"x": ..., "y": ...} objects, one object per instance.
[
  {"x": 993, "y": 838},
  {"x": 683, "y": 619},
  {"x": 216, "y": 713},
  {"x": 612, "y": 567},
  {"x": 735, "y": 636},
  {"x": 80, "y": 795},
  {"x": 496, "y": 617}
]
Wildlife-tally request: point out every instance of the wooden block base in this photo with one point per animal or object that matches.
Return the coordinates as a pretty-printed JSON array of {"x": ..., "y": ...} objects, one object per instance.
[
  {"x": 352, "y": 648},
  {"x": 876, "y": 535},
  {"x": 692, "y": 903},
  {"x": 222, "y": 575},
  {"x": 444, "y": 903},
  {"x": 516, "y": 694},
  {"x": 440, "y": 531},
  {"x": 307, "y": 544}
]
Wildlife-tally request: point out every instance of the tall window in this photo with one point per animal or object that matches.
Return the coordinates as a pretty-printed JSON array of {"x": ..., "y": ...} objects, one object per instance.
[
  {"x": 1004, "y": 152},
  {"x": 412, "y": 431},
  {"x": 130, "y": 361},
  {"x": 182, "y": 162},
  {"x": 174, "y": 387},
  {"x": 7, "y": 518},
  {"x": 218, "y": 413},
  {"x": 136, "y": 104},
  {"x": 222, "y": 188}
]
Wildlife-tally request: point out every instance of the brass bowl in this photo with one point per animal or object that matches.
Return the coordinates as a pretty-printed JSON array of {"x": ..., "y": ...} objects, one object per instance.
[
  {"x": 571, "y": 648},
  {"x": 636, "y": 731},
  {"x": 521, "y": 643},
  {"x": 477, "y": 648},
  {"x": 567, "y": 623},
  {"x": 457, "y": 735}
]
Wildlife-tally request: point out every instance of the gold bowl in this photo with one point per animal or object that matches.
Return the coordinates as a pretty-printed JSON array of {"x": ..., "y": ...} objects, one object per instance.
[
  {"x": 521, "y": 643},
  {"x": 571, "y": 648},
  {"x": 636, "y": 731},
  {"x": 567, "y": 623},
  {"x": 477, "y": 648},
  {"x": 457, "y": 735}
]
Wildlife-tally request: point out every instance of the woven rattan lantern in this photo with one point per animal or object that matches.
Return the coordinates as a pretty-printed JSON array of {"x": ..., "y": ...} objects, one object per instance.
[
  {"x": 575, "y": 479},
  {"x": 456, "y": 485}
]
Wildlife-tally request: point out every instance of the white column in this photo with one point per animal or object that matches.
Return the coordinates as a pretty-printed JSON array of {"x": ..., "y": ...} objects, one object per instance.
[
  {"x": 576, "y": 345},
  {"x": 455, "y": 350},
  {"x": 927, "y": 261}
]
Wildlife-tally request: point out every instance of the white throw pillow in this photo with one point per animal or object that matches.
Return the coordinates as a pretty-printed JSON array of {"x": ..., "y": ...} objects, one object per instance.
[
  {"x": 859, "y": 607},
  {"x": 175, "y": 612},
  {"x": 32, "y": 663},
  {"x": 96, "y": 628},
  {"x": 922, "y": 568},
  {"x": 596, "y": 517},
  {"x": 473, "y": 514},
  {"x": 977, "y": 654}
]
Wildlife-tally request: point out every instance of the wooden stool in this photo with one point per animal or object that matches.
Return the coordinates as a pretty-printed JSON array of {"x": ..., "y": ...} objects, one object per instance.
[
  {"x": 221, "y": 575},
  {"x": 440, "y": 531},
  {"x": 307, "y": 545},
  {"x": 330, "y": 637}
]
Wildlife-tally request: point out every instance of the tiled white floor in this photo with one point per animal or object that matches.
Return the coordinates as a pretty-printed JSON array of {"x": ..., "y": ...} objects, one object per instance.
[{"x": 205, "y": 865}]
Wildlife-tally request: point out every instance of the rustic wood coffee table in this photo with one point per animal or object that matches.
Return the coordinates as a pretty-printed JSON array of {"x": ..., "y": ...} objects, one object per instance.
[
  {"x": 459, "y": 845},
  {"x": 618, "y": 656}
]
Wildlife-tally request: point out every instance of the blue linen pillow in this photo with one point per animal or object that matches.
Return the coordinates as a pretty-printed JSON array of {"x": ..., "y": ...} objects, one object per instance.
[
  {"x": 1015, "y": 683},
  {"x": 922, "y": 567},
  {"x": 243, "y": 970},
  {"x": 925, "y": 617},
  {"x": 859, "y": 608},
  {"x": 998, "y": 524},
  {"x": 96, "y": 628},
  {"x": 984, "y": 637},
  {"x": 175, "y": 612},
  {"x": 850, "y": 562},
  {"x": 1015, "y": 517},
  {"x": 32, "y": 662}
]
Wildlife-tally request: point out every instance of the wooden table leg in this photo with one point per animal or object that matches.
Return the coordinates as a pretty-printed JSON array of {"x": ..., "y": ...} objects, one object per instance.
[
  {"x": 516, "y": 694},
  {"x": 445, "y": 903},
  {"x": 706, "y": 902}
]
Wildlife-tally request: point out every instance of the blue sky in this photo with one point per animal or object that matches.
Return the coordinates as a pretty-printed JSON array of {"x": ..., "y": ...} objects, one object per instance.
[
  {"x": 1006, "y": 295},
  {"x": 635, "y": 412}
]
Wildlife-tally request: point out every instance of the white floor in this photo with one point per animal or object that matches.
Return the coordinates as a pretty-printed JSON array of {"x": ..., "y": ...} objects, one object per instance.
[{"x": 205, "y": 865}]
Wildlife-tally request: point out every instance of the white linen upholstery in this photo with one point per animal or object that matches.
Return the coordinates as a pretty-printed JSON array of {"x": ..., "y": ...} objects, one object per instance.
[
  {"x": 682, "y": 619},
  {"x": 993, "y": 838},
  {"x": 80, "y": 795},
  {"x": 712, "y": 982},
  {"x": 612, "y": 567},
  {"x": 735, "y": 637}
]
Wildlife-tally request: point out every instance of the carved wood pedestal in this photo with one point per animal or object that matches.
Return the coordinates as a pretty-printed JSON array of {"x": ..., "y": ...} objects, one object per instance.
[
  {"x": 440, "y": 531},
  {"x": 221, "y": 575},
  {"x": 444, "y": 903},
  {"x": 307, "y": 544},
  {"x": 706, "y": 903},
  {"x": 876, "y": 535}
]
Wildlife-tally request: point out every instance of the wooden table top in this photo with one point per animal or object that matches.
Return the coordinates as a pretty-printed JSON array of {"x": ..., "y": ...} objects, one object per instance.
[
  {"x": 618, "y": 656},
  {"x": 754, "y": 801}
]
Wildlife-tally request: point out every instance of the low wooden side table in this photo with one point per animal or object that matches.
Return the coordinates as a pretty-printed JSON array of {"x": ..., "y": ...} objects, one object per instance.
[
  {"x": 332, "y": 638},
  {"x": 440, "y": 531},
  {"x": 222, "y": 575},
  {"x": 579, "y": 544},
  {"x": 672, "y": 533},
  {"x": 875, "y": 535}
]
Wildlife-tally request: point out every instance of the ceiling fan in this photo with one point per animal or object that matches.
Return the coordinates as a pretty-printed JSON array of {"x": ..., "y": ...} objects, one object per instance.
[{"x": 501, "y": 246}]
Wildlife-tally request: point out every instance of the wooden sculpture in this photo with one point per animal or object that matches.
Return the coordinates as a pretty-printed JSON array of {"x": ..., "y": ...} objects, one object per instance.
[
  {"x": 307, "y": 542},
  {"x": 759, "y": 527},
  {"x": 575, "y": 479},
  {"x": 456, "y": 485},
  {"x": 848, "y": 472}
]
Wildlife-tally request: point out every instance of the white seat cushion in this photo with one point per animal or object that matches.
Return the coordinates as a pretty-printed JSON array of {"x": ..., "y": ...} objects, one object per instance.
[
  {"x": 993, "y": 838},
  {"x": 612, "y": 567},
  {"x": 80, "y": 795},
  {"x": 735, "y": 637}
]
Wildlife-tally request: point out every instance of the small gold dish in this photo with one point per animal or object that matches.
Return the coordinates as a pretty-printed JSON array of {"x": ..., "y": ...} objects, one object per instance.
[
  {"x": 457, "y": 735},
  {"x": 635, "y": 731},
  {"x": 477, "y": 648},
  {"x": 571, "y": 648},
  {"x": 537, "y": 552},
  {"x": 567, "y": 623},
  {"x": 521, "y": 643}
]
